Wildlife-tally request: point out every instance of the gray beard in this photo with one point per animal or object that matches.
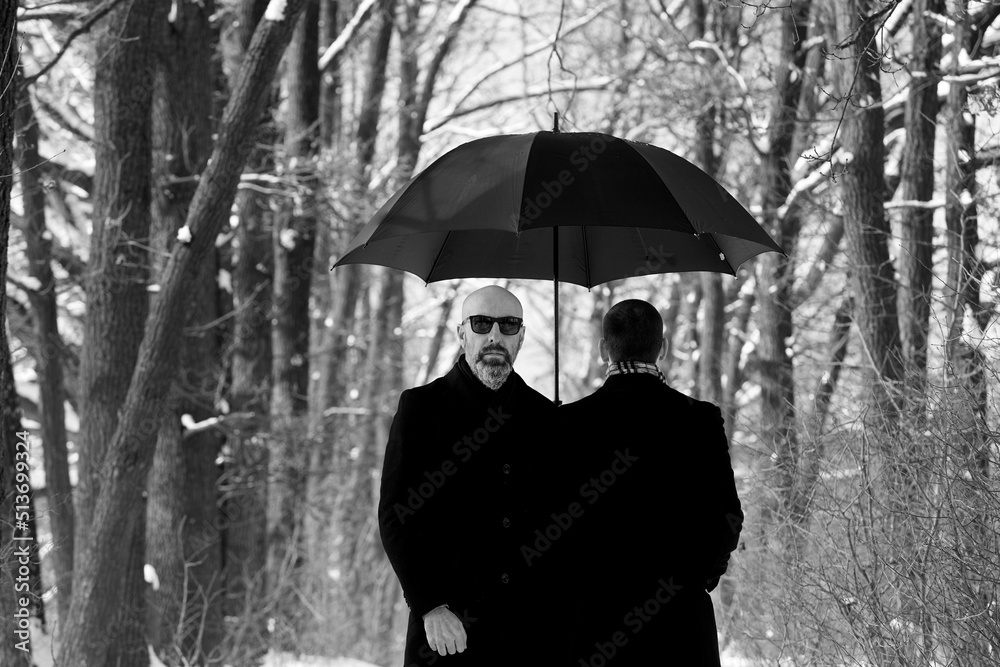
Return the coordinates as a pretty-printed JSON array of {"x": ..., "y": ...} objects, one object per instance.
[{"x": 493, "y": 375}]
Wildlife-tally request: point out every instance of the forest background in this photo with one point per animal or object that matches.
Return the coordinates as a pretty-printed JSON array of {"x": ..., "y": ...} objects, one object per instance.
[{"x": 206, "y": 403}]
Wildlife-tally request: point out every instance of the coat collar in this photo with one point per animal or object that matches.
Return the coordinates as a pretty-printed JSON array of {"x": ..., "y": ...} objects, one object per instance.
[{"x": 633, "y": 382}]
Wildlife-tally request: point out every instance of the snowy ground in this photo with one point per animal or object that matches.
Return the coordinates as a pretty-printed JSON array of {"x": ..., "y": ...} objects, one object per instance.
[
  {"x": 42, "y": 653},
  {"x": 288, "y": 660}
]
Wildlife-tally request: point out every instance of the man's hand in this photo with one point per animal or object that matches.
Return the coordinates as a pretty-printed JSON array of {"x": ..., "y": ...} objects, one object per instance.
[{"x": 445, "y": 632}]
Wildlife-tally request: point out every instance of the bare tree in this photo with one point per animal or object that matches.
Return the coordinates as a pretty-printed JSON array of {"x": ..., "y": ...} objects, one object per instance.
[
  {"x": 917, "y": 187},
  {"x": 96, "y": 599},
  {"x": 183, "y": 543},
  {"x": 117, "y": 303},
  {"x": 49, "y": 352},
  {"x": 775, "y": 272},
  {"x": 244, "y": 482},
  {"x": 11, "y": 651}
]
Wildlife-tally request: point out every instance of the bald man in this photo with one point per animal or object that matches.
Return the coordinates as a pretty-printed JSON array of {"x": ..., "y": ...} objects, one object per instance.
[{"x": 461, "y": 466}]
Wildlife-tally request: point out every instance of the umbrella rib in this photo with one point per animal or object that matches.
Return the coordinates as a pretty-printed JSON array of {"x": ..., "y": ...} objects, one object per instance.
[
  {"x": 438, "y": 255},
  {"x": 722, "y": 255},
  {"x": 642, "y": 241},
  {"x": 586, "y": 256}
]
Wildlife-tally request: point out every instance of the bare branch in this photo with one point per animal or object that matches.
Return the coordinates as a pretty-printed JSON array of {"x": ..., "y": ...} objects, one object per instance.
[
  {"x": 24, "y": 283},
  {"x": 533, "y": 49},
  {"x": 915, "y": 203},
  {"x": 192, "y": 427},
  {"x": 455, "y": 21},
  {"x": 94, "y": 17},
  {"x": 599, "y": 83},
  {"x": 60, "y": 116},
  {"x": 985, "y": 158},
  {"x": 820, "y": 263},
  {"x": 344, "y": 38}
]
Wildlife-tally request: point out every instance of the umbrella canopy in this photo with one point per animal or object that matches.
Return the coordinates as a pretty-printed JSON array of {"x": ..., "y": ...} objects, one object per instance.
[
  {"x": 489, "y": 208},
  {"x": 576, "y": 207}
]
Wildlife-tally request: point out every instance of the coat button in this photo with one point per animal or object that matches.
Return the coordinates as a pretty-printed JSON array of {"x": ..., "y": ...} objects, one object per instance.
[
  {"x": 506, "y": 468},
  {"x": 506, "y": 522},
  {"x": 504, "y": 578}
]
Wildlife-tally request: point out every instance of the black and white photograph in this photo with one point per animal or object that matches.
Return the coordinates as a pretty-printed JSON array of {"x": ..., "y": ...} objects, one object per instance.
[{"x": 500, "y": 333}]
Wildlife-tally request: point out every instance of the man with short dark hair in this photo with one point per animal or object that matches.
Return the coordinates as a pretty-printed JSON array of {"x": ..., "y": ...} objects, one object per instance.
[
  {"x": 656, "y": 506},
  {"x": 457, "y": 497}
]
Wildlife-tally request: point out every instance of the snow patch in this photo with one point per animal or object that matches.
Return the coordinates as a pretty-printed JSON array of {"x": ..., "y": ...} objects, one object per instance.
[
  {"x": 287, "y": 238},
  {"x": 149, "y": 574},
  {"x": 30, "y": 282},
  {"x": 275, "y": 659},
  {"x": 224, "y": 280},
  {"x": 275, "y": 10}
]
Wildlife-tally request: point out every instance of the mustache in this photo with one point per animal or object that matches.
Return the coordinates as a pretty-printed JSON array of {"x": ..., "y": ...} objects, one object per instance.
[{"x": 498, "y": 349}]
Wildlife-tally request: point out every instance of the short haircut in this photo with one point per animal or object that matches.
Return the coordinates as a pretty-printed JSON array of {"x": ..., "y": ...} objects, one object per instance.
[{"x": 633, "y": 331}]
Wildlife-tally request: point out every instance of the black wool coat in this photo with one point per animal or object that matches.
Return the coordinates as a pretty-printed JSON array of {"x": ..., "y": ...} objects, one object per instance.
[
  {"x": 458, "y": 490},
  {"x": 655, "y": 516}
]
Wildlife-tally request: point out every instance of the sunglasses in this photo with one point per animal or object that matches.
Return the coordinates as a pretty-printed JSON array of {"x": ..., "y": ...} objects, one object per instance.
[{"x": 483, "y": 324}]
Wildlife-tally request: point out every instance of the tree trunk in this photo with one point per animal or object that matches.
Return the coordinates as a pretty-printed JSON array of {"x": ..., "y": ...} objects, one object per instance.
[
  {"x": 48, "y": 359},
  {"x": 603, "y": 296},
  {"x": 293, "y": 242},
  {"x": 812, "y": 455},
  {"x": 183, "y": 544},
  {"x": 874, "y": 285},
  {"x": 245, "y": 483},
  {"x": 385, "y": 376},
  {"x": 129, "y": 454},
  {"x": 710, "y": 338},
  {"x": 375, "y": 87},
  {"x": 330, "y": 106},
  {"x": 15, "y": 646},
  {"x": 734, "y": 368},
  {"x": 862, "y": 184},
  {"x": 441, "y": 331},
  {"x": 360, "y": 558},
  {"x": 670, "y": 314},
  {"x": 686, "y": 377},
  {"x": 117, "y": 303},
  {"x": 775, "y": 276},
  {"x": 917, "y": 185},
  {"x": 965, "y": 268},
  {"x": 713, "y": 327},
  {"x": 966, "y": 365}
]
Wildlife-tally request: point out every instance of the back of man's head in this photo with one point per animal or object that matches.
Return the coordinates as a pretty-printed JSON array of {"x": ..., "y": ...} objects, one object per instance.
[{"x": 633, "y": 331}]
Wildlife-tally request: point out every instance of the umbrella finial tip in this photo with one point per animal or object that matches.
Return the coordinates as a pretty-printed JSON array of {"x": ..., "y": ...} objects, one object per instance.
[{"x": 555, "y": 121}]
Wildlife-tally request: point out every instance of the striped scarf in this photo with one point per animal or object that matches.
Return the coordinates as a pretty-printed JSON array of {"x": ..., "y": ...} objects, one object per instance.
[{"x": 633, "y": 367}]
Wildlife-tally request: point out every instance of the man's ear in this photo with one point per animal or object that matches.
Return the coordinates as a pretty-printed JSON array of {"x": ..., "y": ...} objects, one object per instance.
[
  {"x": 602, "y": 348},
  {"x": 461, "y": 334},
  {"x": 663, "y": 350},
  {"x": 520, "y": 338}
]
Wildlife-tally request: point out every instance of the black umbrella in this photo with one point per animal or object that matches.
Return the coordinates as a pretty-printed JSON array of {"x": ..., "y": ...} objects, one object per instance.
[{"x": 578, "y": 207}]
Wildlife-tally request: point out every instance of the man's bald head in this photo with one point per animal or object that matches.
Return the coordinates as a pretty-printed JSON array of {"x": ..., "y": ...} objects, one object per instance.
[
  {"x": 491, "y": 355},
  {"x": 492, "y": 300}
]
